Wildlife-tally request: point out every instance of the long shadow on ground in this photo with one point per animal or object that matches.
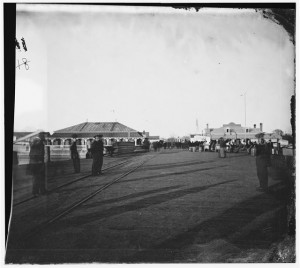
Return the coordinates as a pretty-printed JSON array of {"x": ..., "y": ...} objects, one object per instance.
[
  {"x": 146, "y": 177},
  {"x": 177, "y": 164},
  {"x": 15, "y": 241},
  {"x": 157, "y": 176},
  {"x": 133, "y": 206},
  {"x": 226, "y": 226}
]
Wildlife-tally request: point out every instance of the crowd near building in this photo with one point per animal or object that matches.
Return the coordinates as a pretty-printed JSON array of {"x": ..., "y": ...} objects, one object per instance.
[
  {"x": 116, "y": 133},
  {"x": 230, "y": 131},
  {"x": 113, "y": 133},
  {"x": 234, "y": 131},
  {"x": 85, "y": 132}
]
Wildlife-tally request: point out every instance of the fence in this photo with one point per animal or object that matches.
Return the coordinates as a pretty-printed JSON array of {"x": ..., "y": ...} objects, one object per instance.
[
  {"x": 62, "y": 152},
  {"x": 52, "y": 153}
]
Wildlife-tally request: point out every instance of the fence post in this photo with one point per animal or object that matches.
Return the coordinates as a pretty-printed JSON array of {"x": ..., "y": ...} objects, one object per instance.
[
  {"x": 46, "y": 161},
  {"x": 47, "y": 153}
]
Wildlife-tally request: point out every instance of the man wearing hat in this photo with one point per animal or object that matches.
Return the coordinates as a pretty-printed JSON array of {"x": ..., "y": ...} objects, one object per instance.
[
  {"x": 222, "y": 151},
  {"x": 97, "y": 155},
  {"x": 37, "y": 165},
  {"x": 262, "y": 163},
  {"x": 74, "y": 154}
]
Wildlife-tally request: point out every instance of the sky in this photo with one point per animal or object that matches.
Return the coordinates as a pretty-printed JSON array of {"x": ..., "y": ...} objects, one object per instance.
[{"x": 161, "y": 70}]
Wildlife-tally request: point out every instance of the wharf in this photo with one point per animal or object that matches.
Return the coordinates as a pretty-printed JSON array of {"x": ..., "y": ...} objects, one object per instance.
[{"x": 174, "y": 207}]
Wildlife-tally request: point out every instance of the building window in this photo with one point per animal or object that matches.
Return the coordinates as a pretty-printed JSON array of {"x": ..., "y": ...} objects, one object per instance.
[
  {"x": 247, "y": 130},
  {"x": 57, "y": 142},
  {"x": 68, "y": 142},
  {"x": 78, "y": 142}
]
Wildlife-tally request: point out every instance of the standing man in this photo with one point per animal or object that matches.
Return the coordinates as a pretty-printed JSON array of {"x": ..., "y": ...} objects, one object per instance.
[
  {"x": 37, "y": 165},
  {"x": 74, "y": 154},
  {"x": 222, "y": 151},
  {"x": 97, "y": 155},
  {"x": 146, "y": 144},
  {"x": 262, "y": 162}
]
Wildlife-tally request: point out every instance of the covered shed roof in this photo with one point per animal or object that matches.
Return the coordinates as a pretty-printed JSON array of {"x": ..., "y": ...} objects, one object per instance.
[
  {"x": 105, "y": 134},
  {"x": 96, "y": 127},
  {"x": 90, "y": 129}
]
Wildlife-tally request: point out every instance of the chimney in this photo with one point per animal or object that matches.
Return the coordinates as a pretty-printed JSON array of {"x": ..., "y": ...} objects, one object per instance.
[
  {"x": 261, "y": 127},
  {"x": 254, "y": 126},
  {"x": 206, "y": 126}
]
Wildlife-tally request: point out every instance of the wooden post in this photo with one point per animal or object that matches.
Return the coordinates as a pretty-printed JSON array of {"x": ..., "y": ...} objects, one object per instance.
[
  {"x": 46, "y": 161},
  {"x": 47, "y": 154}
]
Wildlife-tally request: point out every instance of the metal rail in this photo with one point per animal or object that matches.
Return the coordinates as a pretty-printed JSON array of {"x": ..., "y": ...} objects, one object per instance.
[
  {"x": 68, "y": 183},
  {"x": 80, "y": 202}
]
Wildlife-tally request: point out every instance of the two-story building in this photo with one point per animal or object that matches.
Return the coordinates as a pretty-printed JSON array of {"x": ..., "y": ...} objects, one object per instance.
[{"x": 233, "y": 131}]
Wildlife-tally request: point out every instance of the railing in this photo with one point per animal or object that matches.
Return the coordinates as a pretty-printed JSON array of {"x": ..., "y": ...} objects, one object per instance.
[{"x": 62, "y": 152}]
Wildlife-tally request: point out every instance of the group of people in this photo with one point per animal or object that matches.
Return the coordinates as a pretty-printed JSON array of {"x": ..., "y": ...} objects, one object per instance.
[
  {"x": 228, "y": 145},
  {"x": 157, "y": 145},
  {"x": 37, "y": 167},
  {"x": 263, "y": 159},
  {"x": 37, "y": 164},
  {"x": 97, "y": 148}
]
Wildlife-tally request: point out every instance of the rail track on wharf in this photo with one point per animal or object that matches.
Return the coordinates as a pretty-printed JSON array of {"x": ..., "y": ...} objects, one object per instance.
[
  {"x": 37, "y": 229},
  {"x": 127, "y": 160}
]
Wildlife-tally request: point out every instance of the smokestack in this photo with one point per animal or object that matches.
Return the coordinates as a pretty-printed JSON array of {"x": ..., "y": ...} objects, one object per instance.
[
  {"x": 261, "y": 127},
  {"x": 207, "y": 126},
  {"x": 254, "y": 126}
]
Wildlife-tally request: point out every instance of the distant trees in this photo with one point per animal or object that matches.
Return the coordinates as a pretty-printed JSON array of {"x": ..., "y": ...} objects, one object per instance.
[
  {"x": 187, "y": 138},
  {"x": 171, "y": 139},
  {"x": 278, "y": 132}
]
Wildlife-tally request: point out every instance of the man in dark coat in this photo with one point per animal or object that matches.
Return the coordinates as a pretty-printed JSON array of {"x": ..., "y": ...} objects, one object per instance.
[
  {"x": 262, "y": 162},
  {"x": 97, "y": 155},
  {"x": 74, "y": 155},
  {"x": 37, "y": 165},
  {"x": 222, "y": 151},
  {"x": 146, "y": 144}
]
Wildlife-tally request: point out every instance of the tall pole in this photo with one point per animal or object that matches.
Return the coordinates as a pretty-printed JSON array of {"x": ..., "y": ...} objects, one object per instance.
[
  {"x": 245, "y": 114},
  {"x": 245, "y": 110}
]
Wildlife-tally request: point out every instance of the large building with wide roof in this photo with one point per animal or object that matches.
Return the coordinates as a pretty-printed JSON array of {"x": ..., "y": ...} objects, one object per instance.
[
  {"x": 86, "y": 131},
  {"x": 233, "y": 131}
]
